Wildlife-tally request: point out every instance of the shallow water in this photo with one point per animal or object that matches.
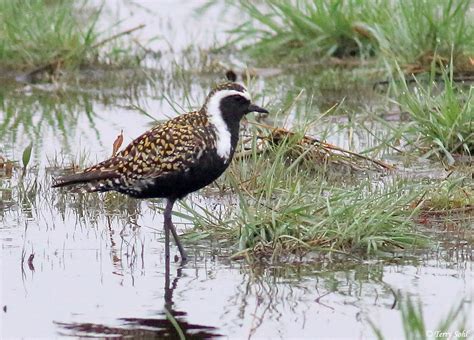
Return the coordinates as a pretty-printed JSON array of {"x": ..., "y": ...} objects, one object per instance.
[
  {"x": 105, "y": 274},
  {"x": 98, "y": 265}
]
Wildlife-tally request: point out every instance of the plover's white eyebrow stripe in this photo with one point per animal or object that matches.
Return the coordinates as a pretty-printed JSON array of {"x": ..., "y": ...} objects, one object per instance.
[{"x": 225, "y": 93}]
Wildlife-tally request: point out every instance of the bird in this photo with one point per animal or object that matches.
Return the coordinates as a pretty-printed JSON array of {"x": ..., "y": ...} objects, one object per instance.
[{"x": 176, "y": 157}]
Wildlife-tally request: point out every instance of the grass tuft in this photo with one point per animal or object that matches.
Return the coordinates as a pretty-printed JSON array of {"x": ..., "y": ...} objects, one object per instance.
[
  {"x": 287, "y": 202},
  {"x": 305, "y": 29},
  {"x": 35, "y": 33},
  {"x": 413, "y": 33},
  {"x": 46, "y": 36},
  {"x": 422, "y": 32},
  {"x": 443, "y": 118}
]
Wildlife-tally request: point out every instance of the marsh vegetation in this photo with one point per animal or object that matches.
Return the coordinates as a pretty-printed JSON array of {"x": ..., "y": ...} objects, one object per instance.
[{"x": 353, "y": 200}]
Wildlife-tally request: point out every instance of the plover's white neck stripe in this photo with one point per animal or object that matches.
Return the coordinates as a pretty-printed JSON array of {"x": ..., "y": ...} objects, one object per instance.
[{"x": 223, "y": 144}]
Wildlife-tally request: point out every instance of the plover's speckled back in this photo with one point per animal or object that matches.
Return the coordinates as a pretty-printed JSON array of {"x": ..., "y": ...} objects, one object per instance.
[{"x": 175, "y": 158}]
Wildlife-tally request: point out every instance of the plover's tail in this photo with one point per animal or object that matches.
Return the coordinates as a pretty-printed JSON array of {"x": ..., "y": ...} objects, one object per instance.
[{"x": 100, "y": 177}]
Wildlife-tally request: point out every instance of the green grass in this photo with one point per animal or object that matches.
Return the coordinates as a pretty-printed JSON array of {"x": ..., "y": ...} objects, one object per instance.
[
  {"x": 452, "y": 194},
  {"x": 442, "y": 115},
  {"x": 58, "y": 34},
  {"x": 411, "y": 32},
  {"x": 34, "y": 33},
  {"x": 287, "y": 201},
  {"x": 307, "y": 29},
  {"x": 419, "y": 32}
]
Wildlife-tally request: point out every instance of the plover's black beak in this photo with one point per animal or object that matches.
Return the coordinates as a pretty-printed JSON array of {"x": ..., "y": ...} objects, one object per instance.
[{"x": 255, "y": 108}]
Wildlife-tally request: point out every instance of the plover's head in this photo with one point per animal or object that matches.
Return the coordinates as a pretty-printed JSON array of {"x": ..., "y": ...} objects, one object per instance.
[{"x": 229, "y": 102}]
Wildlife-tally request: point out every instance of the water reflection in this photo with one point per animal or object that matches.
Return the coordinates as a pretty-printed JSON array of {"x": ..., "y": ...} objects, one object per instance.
[
  {"x": 159, "y": 327},
  {"x": 93, "y": 266}
]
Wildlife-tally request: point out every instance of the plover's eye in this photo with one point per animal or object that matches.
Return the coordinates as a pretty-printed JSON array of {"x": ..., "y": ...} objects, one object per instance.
[{"x": 240, "y": 99}]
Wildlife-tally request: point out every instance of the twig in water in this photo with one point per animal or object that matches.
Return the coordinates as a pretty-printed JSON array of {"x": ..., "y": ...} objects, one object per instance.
[
  {"x": 118, "y": 35},
  {"x": 277, "y": 134}
]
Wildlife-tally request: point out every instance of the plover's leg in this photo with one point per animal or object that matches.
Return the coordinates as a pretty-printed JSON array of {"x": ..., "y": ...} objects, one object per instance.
[
  {"x": 169, "y": 226},
  {"x": 167, "y": 234}
]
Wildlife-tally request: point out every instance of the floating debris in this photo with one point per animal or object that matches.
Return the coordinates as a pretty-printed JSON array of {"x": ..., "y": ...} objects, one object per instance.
[{"x": 117, "y": 143}]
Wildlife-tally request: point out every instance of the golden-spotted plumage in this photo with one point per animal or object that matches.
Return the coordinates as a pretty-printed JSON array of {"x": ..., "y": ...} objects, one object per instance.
[{"x": 171, "y": 147}]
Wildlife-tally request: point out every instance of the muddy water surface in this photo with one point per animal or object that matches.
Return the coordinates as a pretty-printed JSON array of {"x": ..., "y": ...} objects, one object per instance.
[{"x": 94, "y": 265}]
